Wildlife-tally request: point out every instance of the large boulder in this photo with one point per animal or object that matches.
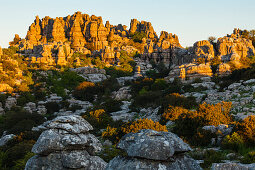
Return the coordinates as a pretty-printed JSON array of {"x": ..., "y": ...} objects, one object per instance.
[
  {"x": 66, "y": 144},
  {"x": 204, "y": 49},
  {"x": 149, "y": 149},
  {"x": 154, "y": 145}
]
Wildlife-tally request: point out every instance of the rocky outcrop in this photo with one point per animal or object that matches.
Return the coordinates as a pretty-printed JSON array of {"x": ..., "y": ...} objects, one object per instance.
[
  {"x": 234, "y": 44},
  {"x": 91, "y": 74},
  {"x": 109, "y": 56},
  {"x": 34, "y": 32},
  {"x": 149, "y": 149},
  {"x": 224, "y": 69},
  {"x": 190, "y": 71},
  {"x": 122, "y": 94},
  {"x": 143, "y": 26},
  {"x": 204, "y": 49},
  {"x": 166, "y": 50},
  {"x": 66, "y": 144}
]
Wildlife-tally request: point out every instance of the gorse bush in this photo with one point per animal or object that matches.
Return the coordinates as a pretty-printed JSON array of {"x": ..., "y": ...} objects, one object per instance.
[
  {"x": 172, "y": 113},
  {"x": 246, "y": 129},
  {"x": 85, "y": 91},
  {"x": 215, "y": 114},
  {"x": 99, "y": 119},
  {"x": 143, "y": 124},
  {"x": 188, "y": 123}
]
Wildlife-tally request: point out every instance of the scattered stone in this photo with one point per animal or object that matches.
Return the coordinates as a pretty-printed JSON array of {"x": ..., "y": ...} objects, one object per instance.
[
  {"x": 10, "y": 102},
  {"x": 4, "y": 139},
  {"x": 122, "y": 94}
]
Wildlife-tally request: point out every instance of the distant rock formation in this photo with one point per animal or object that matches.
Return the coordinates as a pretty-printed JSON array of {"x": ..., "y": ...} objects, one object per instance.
[
  {"x": 52, "y": 42},
  {"x": 143, "y": 26},
  {"x": 66, "y": 144},
  {"x": 149, "y": 149}
]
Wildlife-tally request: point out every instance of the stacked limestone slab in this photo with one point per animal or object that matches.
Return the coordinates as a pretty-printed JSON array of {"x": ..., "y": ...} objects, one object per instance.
[
  {"x": 66, "y": 144},
  {"x": 149, "y": 149}
]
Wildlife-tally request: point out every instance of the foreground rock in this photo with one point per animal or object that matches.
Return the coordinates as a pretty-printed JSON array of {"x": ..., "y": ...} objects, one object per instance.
[
  {"x": 66, "y": 144},
  {"x": 232, "y": 166},
  {"x": 149, "y": 149}
]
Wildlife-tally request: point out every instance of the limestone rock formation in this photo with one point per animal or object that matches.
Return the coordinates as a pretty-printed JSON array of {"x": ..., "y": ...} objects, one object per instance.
[
  {"x": 58, "y": 30},
  {"x": 204, "y": 49},
  {"x": 224, "y": 69},
  {"x": 34, "y": 32},
  {"x": 234, "y": 43},
  {"x": 190, "y": 71},
  {"x": 15, "y": 41},
  {"x": 143, "y": 26},
  {"x": 166, "y": 50},
  {"x": 66, "y": 144},
  {"x": 149, "y": 149}
]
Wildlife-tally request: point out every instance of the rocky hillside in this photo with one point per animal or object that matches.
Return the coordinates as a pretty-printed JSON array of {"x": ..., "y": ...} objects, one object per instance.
[{"x": 80, "y": 94}]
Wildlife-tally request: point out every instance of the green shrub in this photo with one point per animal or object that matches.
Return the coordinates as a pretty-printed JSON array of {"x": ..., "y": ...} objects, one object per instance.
[
  {"x": 159, "y": 84},
  {"x": 24, "y": 98},
  {"x": 212, "y": 156},
  {"x": 17, "y": 120},
  {"x": 17, "y": 152},
  {"x": 85, "y": 91},
  {"x": 21, "y": 163},
  {"x": 52, "y": 107},
  {"x": 176, "y": 99},
  {"x": 138, "y": 36},
  {"x": 249, "y": 158},
  {"x": 111, "y": 105},
  {"x": 116, "y": 72},
  {"x": 3, "y": 98},
  {"x": 233, "y": 142},
  {"x": 149, "y": 99},
  {"x": 99, "y": 119},
  {"x": 109, "y": 152}
]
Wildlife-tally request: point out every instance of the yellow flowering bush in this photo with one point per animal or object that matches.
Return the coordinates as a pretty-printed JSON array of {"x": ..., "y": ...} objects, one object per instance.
[{"x": 143, "y": 124}]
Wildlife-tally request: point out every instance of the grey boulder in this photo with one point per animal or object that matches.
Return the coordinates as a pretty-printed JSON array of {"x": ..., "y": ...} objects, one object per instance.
[
  {"x": 154, "y": 145},
  {"x": 179, "y": 163}
]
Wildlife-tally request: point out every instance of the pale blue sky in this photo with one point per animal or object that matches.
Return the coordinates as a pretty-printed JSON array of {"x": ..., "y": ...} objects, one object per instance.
[{"x": 191, "y": 20}]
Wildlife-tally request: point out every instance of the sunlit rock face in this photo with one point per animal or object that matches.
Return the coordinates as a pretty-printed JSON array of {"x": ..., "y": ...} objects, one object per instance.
[{"x": 234, "y": 44}]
